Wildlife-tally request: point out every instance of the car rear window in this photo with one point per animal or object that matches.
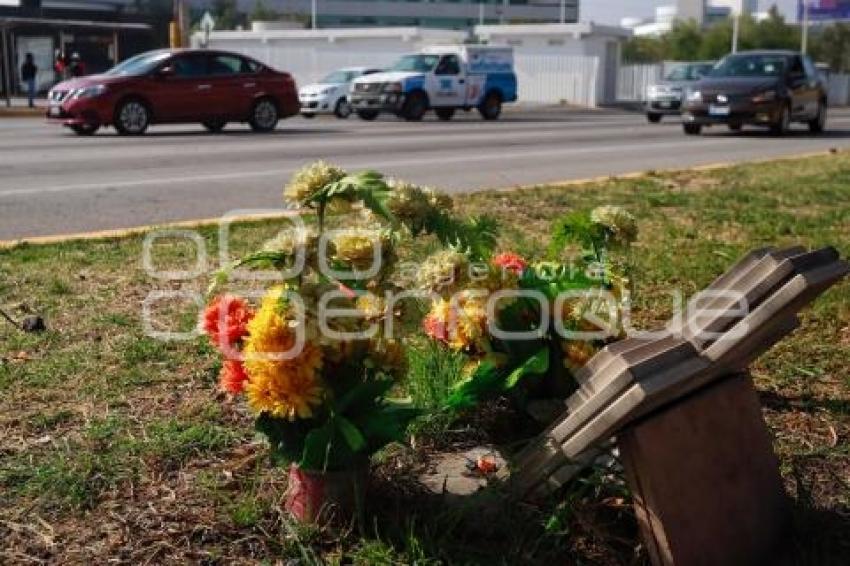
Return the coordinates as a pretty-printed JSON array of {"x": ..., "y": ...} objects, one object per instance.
[{"x": 751, "y": 66}]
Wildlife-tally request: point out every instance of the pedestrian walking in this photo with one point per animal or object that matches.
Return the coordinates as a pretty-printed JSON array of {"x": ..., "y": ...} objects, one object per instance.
[
  {"x": 28, "y": 74},
  {"x": 78, "y": 68}
]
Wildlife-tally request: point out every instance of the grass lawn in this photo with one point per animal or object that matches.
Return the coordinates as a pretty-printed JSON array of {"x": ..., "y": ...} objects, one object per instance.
[{"x": 116, "y": 445}]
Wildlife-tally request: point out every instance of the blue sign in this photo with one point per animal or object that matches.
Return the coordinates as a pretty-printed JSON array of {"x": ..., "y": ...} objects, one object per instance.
[{"x": 825, "y": 10}]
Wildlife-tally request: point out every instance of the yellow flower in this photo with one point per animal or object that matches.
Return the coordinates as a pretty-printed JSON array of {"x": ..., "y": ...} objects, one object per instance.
[
  {"x": 443, "y": 271},
  {"x": 618, "y": 221},
  {"x": 388, "y": 356},
  {"x": 355, "y": 248},
  {"x": 310, "y": 179},
  {"x": 372, "y": 306},
  {"x": 288, "y": 391},
  {"x": 287, "y": 388},
  {"x": 461, "y": 325}
]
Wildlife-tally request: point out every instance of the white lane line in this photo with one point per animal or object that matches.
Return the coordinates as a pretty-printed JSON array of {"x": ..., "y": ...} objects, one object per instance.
[{"x": 363, "y": 164}]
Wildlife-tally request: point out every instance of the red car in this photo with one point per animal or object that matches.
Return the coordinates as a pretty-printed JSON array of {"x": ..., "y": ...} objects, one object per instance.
[{"x": 176, "y": 86}]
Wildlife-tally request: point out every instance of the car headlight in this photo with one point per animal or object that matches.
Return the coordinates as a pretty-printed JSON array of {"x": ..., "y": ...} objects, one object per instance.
[
  {"x": 694, "y": 96},
  {"x": 766, "y": 96},
  {"x": 653, "y": 91},
  {"x": 89, "y": 92},
  {"x": 393, "y": 87}
]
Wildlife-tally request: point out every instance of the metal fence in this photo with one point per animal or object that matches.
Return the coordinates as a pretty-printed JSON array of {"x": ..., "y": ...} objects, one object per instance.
[
  {"x": 633, "y": 80},
  {"x": 556, "y": 79}
]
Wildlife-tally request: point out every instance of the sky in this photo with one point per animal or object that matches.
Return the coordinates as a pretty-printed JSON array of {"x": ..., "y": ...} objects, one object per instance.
[{"x": 610, "y": 11}]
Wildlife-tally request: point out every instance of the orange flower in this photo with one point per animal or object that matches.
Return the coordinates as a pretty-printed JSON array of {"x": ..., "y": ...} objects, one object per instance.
[
  {"x": 226, "y": 319},
  {"x": 232, "y": 377},
  {"x": 510, "y": 261}
]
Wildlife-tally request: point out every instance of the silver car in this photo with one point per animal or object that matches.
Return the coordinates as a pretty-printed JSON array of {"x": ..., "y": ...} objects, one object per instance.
[{"x": 665, "y": 97}]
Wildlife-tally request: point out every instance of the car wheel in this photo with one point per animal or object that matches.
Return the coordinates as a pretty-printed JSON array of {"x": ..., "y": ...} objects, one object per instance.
[
  {"x": 132, "y": 117},
  {"x": 818, "y": 125},
  {"x": 367, "y": 115},
  {"x": 342, "y": 109},
  {"x": 491, "y": 107},
  {"x": 445, "y": 114},
  {"x": 214, "y": 126},
  {"x": 415, "y": 107},
  {"x": 692, "y": 129},
  {"x": 308, "y": 115},
  {"x": 653, "y": 117},
  {"x": 783, "y": 124},
  {"x": 736, "y": 127},
  {"x": 264, "y": 116},
  {"x": 85, "y": 129}
]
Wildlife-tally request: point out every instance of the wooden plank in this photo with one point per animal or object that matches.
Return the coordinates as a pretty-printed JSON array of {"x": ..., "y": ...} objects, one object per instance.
[
  {"x": 721, "y": 312},
  {"x": 606, "y": 361},
  {"x": 722, "y": 503},
  {"x": 636, "y": 378}
]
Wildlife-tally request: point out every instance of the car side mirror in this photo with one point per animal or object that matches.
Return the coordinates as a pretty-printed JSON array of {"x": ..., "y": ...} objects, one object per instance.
[{"x": 165, "y": 72}]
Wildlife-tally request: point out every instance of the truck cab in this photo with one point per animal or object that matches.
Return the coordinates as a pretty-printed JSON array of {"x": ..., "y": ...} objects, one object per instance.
[{"x": 440, "y": 78}]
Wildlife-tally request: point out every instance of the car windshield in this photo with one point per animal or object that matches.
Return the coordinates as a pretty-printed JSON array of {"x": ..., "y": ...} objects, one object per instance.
[
  {"x": 750, "y": 66},
  {"x": 339, "y": 77},
  {"x": 417, "y": 63},
  {"x": 688, "y": 72},
  {"x": 140, "y": 64}
]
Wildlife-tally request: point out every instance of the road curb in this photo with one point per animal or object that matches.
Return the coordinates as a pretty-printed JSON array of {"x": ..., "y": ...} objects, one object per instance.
[
  {"x": 205, "y": 222},
  {"x": 135, "y": 230},
  {"x": 18, "y": 112}
]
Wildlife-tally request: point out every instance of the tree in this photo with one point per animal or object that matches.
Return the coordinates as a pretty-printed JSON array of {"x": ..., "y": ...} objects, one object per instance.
[
  {"x": 262, "y": 13},
  {"x": 683, "y": 42},
  {"x": 832, "y": 46},
  {"x": 226, "y": 14}
]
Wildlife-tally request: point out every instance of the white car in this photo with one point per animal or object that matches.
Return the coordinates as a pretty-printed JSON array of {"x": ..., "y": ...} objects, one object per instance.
[{"x": 330, "y": 95}]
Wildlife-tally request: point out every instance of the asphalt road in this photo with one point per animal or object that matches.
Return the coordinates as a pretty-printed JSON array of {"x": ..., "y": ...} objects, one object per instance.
[{"x": 53, "y": 182}]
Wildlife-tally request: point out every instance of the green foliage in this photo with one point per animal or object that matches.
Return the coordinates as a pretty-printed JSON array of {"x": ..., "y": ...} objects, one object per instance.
[
  {"x": 831, "y": 45},
  {"x": 262, "y": 12},
  {"x": 366, "y": 186},
  {"x": 434, "y": 370},
  {"x": 490, "y": 379},
  {"x": 687, "y": 41},
  {"x": 360, "y": 423}
]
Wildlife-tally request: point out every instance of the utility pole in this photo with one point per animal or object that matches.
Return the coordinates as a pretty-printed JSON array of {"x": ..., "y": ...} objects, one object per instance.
[
  {"x": 313, "y": 13},
  {"x": 480, "y": 13},
  {"x": 805, "y": 41},
  {"x": 736, "y": 29},
  {"x": 563, "y": 11}
]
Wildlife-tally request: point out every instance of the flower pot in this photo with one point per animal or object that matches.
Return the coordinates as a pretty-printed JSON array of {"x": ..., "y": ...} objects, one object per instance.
[{"x": 311, "y": 494}]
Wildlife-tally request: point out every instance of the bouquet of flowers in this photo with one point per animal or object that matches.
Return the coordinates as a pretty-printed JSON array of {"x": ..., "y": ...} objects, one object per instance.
[
  {"x": 315, "y": 359},
  {"x": 515, "y": 319}
]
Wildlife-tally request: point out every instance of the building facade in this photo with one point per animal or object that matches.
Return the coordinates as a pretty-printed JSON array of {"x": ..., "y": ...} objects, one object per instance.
[
  {"x": 445, "y": 14},
  {"x": 102, "y": 32}
]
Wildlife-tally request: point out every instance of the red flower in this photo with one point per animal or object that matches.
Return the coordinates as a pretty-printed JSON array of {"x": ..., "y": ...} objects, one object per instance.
[
  {"x": 232, "y": 377},
  {"x": 226, "y": 319},
  {"x": 435, "y": 328},
  {"x": 511, "y": 262}
]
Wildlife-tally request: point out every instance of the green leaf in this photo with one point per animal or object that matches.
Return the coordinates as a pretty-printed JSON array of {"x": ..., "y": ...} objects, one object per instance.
[
  {"x": 285, "y": 438},
  {"x": 486, "y": 380},
  {"x": 363, "y": 394},
  {"x": 386, "y": 424},
  {"x": 535, "y": 365},
  {"x": 353, "y": 437},
  {"x": 317, "y": 448}
]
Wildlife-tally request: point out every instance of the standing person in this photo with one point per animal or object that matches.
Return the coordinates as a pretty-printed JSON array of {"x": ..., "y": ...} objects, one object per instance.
[
  {"x": 78, "y": 69},
  {"x": 28, "y": 73}
]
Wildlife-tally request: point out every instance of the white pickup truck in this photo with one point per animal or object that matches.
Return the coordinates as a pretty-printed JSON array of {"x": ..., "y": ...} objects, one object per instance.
[{"x": 444, "y": 79}]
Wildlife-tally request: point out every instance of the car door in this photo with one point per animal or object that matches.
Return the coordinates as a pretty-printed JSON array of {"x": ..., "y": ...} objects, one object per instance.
[
  {"x": 816, "y": 85},
  {"x": 799, "y": 88},
  {"x": 448, "y": 86},
  {"x": 180, "y": 88},
  {"x": 234, "y": 85}
]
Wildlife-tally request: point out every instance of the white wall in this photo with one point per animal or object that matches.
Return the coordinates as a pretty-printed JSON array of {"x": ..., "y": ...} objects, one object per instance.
[{"x": 554, "y": 63}]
